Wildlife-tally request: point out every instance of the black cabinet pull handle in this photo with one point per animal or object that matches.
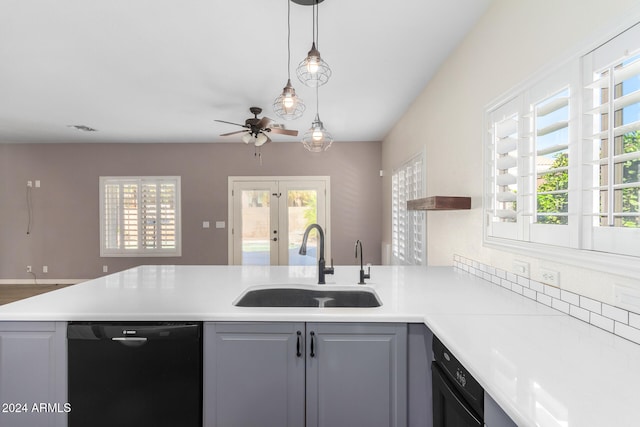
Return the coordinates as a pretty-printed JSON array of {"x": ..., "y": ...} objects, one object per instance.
[
  {"x": 313, "y": 339},
  {"x": 299, "y": 344}
]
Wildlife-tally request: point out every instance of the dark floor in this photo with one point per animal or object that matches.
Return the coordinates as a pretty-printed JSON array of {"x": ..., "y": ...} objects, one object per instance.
[{"x": 11, "y": 293}]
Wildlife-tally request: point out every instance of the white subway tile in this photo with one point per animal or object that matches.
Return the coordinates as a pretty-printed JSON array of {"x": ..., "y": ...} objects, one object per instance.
[
  {"x": 512, "y": 277},
  {"x": 536, "y": 286},
  {"x": 601, "y": 322},
  {"x": 506, "y": 284},
  {"x": 517, "y": 288},
  {"x": 615, "y": 313},
  {"x": 569, "y": 297},
  {"x": 591, "y": 304},
  {"x": 529, "y": 293},
  {"x": 560, "y": 305},
  {"x": 634, "y": 320},
  {"x": 544, "y": 299},
  {"x": 486, "y": 276},
  {"x": 523, "y": 281},
  {"x": 496, "y": 280},
  {"x": 491, "y": 270},
  {"x": 552, "y": 291},
  {"x": 627, "y": 332},
  {"x": 501, "y": 273},
  {"x": 579, "y": 313}
]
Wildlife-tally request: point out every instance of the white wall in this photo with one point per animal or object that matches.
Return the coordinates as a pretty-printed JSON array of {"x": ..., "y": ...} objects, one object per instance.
[{"x": 512, "y": 42}]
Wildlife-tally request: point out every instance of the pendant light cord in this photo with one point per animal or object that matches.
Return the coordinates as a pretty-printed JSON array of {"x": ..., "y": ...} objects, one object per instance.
[
  {"x": 316, "y": 24},
  {"x": 289, "y": 39}
]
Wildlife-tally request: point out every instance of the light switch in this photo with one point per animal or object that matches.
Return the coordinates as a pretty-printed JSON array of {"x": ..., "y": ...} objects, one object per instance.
[
  {"x": 205, "y": 224},
  {"x": 220, "y": 224}
]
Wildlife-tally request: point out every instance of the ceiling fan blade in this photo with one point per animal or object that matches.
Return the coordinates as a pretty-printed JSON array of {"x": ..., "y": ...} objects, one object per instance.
[
  {"x": 284, "y": 131},
  {"x": 231, "y": 123},
  {"x": 264, "y": 122},
  {"x": 232, "y": 133}
]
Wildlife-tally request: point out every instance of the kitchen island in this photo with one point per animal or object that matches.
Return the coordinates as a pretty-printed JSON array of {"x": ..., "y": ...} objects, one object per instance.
[{"x": 541, "y": 366}]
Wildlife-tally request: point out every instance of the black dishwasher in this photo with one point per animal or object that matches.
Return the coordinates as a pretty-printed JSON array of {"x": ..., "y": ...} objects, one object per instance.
[
  {"x": 135, "y": 374},
  {"x": 458, "y": 399}
]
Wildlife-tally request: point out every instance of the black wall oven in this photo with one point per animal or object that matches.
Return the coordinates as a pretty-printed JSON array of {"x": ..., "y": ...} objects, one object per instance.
[{"x": 458, "y": 399}]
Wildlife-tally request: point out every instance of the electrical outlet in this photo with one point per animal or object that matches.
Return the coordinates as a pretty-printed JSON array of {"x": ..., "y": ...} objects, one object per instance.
[
  {"x": 105, "y": 268},
  {"x": 550, "y": 277},
  {"x": 45, "y": 269},
  {"x": 37, "y": 183},
  {"x": 521, "y": 268},
  {"x": 29, "y": 184},
  {"x": 29, "y": 270}
]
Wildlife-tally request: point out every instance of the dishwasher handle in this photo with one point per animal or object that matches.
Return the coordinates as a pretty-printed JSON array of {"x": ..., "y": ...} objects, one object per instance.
[
  {"x": 130, "y": 341},
  {"x": 123, "y": 332}
]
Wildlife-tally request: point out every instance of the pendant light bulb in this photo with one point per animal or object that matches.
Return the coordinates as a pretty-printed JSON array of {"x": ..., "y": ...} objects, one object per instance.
[
  {"x": 288, "y": 105},
  {"x": 313, "y": 71},
  {"x": 317, "y": 138}
]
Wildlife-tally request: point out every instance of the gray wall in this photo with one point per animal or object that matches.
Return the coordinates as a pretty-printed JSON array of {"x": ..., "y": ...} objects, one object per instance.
[{"x": 65, "y": 231}]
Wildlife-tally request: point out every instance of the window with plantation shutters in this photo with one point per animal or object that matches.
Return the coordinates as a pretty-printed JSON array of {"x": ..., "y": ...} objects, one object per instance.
[
  {"x": 562, "y": 160},
  {"x": 501, "y": 201},
  {"x": 140, "y": 216},
  {"x": 612, "y": 104},
  {"x": 408, "y": 227}
]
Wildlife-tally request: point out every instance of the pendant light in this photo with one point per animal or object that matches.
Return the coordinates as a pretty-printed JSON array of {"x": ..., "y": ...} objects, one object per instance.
[
  {"x": 313, "y": 71},
  {"x": 288, "y": 105},
  {"x": 317, "y": 138}
]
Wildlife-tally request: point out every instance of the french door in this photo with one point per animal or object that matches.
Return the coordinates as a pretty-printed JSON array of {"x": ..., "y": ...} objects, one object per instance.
[{"x": 268, "y": 216}]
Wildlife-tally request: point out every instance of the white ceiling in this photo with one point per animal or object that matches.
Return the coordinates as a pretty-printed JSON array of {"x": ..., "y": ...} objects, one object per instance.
[{"x": 163, "y": 70}]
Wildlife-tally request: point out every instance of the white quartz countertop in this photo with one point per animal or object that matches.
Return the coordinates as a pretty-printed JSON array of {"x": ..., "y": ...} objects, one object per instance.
[{"x": 544, "y": 368}]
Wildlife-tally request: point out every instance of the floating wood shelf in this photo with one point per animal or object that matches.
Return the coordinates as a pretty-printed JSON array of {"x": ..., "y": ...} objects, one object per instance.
[{"x": 439, "y": 203}]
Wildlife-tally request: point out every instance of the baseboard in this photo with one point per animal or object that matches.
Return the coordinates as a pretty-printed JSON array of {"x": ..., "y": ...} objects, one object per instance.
[{"x": 41, "y": 281}]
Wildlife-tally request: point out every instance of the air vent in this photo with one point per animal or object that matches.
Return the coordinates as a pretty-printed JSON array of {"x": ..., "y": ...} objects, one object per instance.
[{"x": 83, "y": 128}]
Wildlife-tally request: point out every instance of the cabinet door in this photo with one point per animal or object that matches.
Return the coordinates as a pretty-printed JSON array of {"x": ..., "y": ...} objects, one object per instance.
[
  {"x": 33, "y": 374},
  {"x": 253, "y": 374},
  {"x": 356, "y": 375}
]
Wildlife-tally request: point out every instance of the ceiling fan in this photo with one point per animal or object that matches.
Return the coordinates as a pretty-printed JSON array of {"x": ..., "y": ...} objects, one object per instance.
[{"x": 256, "y": 129}]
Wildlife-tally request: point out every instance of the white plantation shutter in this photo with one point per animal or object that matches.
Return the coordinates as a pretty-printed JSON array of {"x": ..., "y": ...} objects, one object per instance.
[
  {"x": 502, "y": 170},
  {"x": 612, "y": 83},
  {"x": 408, "y": 227},
  {"x": 140, "y": 216}
]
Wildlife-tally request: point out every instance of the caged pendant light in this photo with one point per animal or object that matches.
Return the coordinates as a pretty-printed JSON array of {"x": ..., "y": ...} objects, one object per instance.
[
  {"x": 317, "y": 138},
  {"x": 288, "y": 105},
  {"x": 313, "y": 71}
]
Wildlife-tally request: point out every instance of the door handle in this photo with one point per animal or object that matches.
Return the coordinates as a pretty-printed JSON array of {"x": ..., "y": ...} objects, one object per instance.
[
  {"x": 299, "y": 344},
  {"x": 313, "y": 340}
]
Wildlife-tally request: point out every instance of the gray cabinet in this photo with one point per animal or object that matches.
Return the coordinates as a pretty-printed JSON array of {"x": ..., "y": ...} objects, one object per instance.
[
  {"x": 33, "y": 368},
  {"x": 296, "y": 374},
  {"x": 253, "y": 375},
  {"x": 494, "y": 415}
]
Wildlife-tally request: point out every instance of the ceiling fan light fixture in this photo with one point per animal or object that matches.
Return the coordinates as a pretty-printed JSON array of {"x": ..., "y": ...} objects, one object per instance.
[
  {"x": 261, "y": 139},
  {"x": 248, "y": 138},
  {"x": 288, "y": 105},
  {"x": 317, "y": 138}
]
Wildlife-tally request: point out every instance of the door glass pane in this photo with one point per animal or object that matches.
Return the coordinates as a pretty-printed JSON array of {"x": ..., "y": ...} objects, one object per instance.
[
  {"x": 302, "y": 210},
  {"x": 255, "y": 227}
]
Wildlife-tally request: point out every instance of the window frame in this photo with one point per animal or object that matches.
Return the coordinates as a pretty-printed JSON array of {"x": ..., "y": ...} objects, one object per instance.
[
  {"x": 575, "y": 249},
  {"x": 140, "y": 252},
  {"x": 413, "y": 233}
]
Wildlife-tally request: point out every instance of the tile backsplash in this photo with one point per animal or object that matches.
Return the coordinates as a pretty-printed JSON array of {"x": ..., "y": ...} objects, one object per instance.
[{"x": 623, "y": 323}]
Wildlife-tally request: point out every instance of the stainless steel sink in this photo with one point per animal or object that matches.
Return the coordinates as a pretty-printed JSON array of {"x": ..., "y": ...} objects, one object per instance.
[{"x": 308, "y": 296}]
